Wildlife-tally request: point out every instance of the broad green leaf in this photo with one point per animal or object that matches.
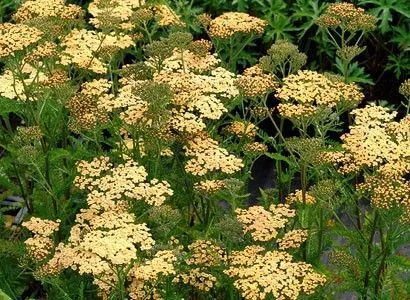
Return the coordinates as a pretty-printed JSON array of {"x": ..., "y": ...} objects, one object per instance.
[
  {"x": 383, "y": 10},
  {"x": 3, "y": 296}
]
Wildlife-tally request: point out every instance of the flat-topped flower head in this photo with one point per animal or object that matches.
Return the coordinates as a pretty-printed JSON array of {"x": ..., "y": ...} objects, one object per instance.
[
  {"x": 404, "y": 88},
  {"x": 40, "y": 245},
  {"x": 123, "y": 181},
  {"x": 85, "y": 49},
  {"x": 242, "y": 129},
  {"x": 255, "y": 83},
  {"x": 347, "y": 15},
  {"x": 232, "y": 23},
  {"x": 209, "y": 186},
  {"x": 33, "y": 9},
  {"x": 312, "y": 88},
  {"x": 17, "y": 37},
  {"x": 261, "y": 274},
  {"x": 262, "y": 224},
  {"x": 208, "y": 157}
]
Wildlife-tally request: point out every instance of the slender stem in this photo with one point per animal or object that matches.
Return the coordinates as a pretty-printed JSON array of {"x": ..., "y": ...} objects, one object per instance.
[
  {"x": 26, "y": 199},
  {"x": 366, "y": 280},
  {"x": 320, "y": 232},
  {"x": 303, "y": 181},
  {"x": 382, "y": 266}
]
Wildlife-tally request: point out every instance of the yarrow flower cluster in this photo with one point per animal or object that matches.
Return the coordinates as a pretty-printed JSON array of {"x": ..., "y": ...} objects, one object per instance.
[
  {"x": 264, "y": 225},
  {"x": 376, "y": 142},
  {"x": 123, "y": 180},
  {"x": 311, "y": 89},
  {"x": 296, "y": 197},
  {"x": 127, "y": 15},
  {"x": 209, "y": 186},
  {"x": 201, "y": 256},
  {"x": 89, "y": 106},
  {"x": 242, "y": 129},
  {"x": 105, "y": 234},
  {"x": 37, "y": 9},
  {"x": 404, "y": 88},
  {"x": 84, "y": 49},
  {"x": 260, "y": 273},
  {"x": 17, "y": 37},
  {"x": 208, "y": 157},
  {"x": 348, "y": 16},
  {"x": 255, "y": 83},
  {"x": 231, "y": 23},
  {"x": 308, "y": 95},
  {"x": 40, "y": 245},
  {"x": 146, "y": 277}
]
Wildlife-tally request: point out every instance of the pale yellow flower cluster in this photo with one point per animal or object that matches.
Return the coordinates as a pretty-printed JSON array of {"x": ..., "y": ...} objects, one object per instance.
[
  {"x": 404, "y": 88},
  {"x": 44, "y": 50},
  {"x": 309, "y": 88},
  {"x": 40, "y": 245},
  {"x": 145, "y": 277},
  {"x": 255, "y": 83},
  {"x": 33, "y": 9},
  {"x": 292, "y": 239},
  {"x": 296, "y": 197},
  {"x": 202, "y": 256},
  {"x": 197, "y": 278},
  {"x": 203, "y": 95},
  {"x": 242, "y": 129},
  {"x": 260, "y": 274},
  {"x": 296, "y": 111},
  {"x": 379, "y": 146},
  {"x": 13, "y": 88},
  {"x": 386, "y": 192},
  {"x": 90, "y": 105},
  {"x": 134, "y": 114},
  {"x": 101, "y": 241},
  {"x": 127, "y": 14},
  {"x": 231, "y": 23},
  {"x": 55, "y": 79},
  {"x": 186, "y": 122},
  {"x": 134, "y": 109},
  {"x": 262, "y": 224},
  {"x": 118, "y": 10},
  {"x": 17, "y": 37},
  {"x": 369, "y": 144},
  {"x": 209, "y": 186},
  {"x": 209, "y": 157},
  {"x": 255, "y": 147},
  {"x": 124, "y": 180},
  {"x": 82, "y": 48},
  {"x": 191, "y": 62},
  {"x": 105, "y": 235},
  {"x": 348, "y": 16},
  {"x": 166, "y": 16},
  {"x": 205, "y": 253},
  {"x": 23, "y": 86}
]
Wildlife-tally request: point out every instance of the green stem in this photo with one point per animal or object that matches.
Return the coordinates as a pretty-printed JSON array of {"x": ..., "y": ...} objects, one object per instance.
[
  {"x": 303, "y": 181},
  {"x": 366, "y": 280},
  {"x": 320, "y": 232},
  {"x": 382, "y": 266},
  {"x": 25, "y": 196}
]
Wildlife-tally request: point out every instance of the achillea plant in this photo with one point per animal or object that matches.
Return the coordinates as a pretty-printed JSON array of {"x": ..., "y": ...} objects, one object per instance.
[{"x": 134, "y": 148}]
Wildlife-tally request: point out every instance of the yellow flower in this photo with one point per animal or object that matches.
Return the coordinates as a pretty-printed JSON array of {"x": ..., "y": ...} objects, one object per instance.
[{"x": 231, "y": 23}]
